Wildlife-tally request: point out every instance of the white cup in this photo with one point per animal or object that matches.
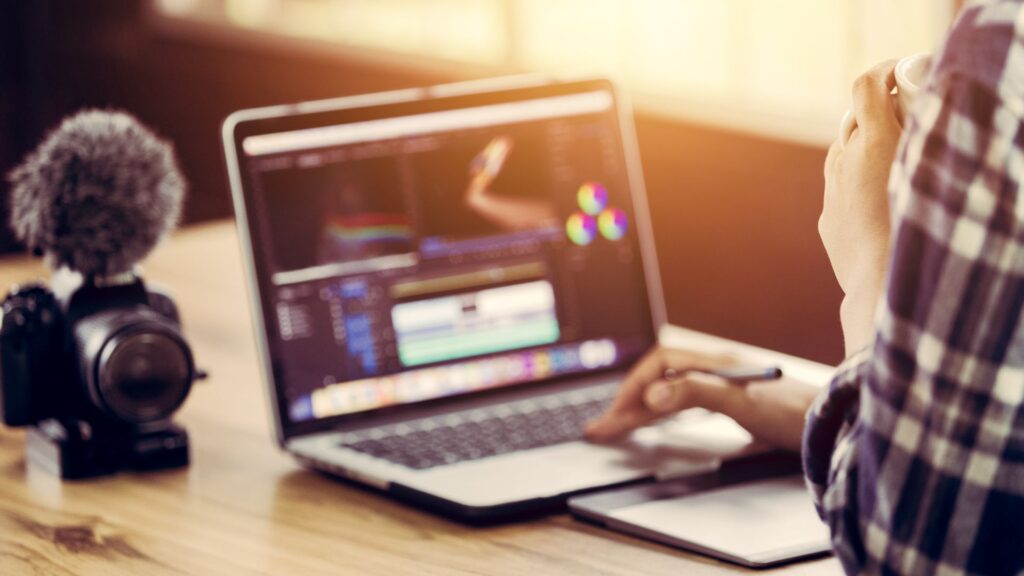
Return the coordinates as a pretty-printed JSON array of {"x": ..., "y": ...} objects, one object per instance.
[{"x": 910, "y": 75}]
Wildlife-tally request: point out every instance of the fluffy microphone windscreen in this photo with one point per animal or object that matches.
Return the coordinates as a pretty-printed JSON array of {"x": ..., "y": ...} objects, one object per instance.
[{"x": 97, "y": 194}]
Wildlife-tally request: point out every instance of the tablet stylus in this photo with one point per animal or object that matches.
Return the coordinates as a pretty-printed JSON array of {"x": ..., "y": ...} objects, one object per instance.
[{"x": 738, "y": 375}]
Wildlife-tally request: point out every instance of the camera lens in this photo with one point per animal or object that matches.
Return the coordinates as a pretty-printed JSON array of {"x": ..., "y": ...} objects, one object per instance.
[
  {"x": 144, "y": 375},
  {"x": 134, "y": 365}
]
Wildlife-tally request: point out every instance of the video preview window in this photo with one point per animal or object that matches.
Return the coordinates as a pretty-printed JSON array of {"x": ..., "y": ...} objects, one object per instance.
[{"x": 486, "y": 185}]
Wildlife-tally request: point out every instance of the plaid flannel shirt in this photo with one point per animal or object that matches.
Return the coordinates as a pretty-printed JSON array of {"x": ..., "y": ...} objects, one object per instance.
[{"x": 915, "y": 452}]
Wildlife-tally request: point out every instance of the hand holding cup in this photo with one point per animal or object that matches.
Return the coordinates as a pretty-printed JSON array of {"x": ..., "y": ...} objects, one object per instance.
[{"x": 910, "y": 75}]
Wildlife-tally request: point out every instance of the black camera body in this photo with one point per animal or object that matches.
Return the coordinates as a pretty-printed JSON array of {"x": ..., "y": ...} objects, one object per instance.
[{"x": 96, "y": 371}]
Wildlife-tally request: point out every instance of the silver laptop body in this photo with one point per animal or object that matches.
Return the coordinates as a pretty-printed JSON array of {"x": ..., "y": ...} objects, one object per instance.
[{"x": 426, "y": 262}]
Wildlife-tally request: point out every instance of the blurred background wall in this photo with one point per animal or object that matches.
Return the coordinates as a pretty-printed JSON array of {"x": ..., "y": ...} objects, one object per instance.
[{"x": 736, "y": 103}]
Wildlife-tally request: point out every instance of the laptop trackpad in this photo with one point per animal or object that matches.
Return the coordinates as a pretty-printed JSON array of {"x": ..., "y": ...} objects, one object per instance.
[{"x": 689, "y": 445}]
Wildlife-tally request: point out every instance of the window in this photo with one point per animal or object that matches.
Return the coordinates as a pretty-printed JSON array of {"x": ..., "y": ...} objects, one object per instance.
[{"x": 780, "y": 68}]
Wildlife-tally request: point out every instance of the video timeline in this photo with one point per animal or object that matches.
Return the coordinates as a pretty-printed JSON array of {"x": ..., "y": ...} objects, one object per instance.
[{"x": 476, "y": 323}]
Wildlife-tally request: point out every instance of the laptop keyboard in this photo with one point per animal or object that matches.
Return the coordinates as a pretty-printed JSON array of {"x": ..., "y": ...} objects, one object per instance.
[{"x": 484, "y": 432}]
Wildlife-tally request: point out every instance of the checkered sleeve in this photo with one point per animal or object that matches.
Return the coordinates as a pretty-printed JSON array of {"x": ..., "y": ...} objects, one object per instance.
[{"x": 915, "y": 452}]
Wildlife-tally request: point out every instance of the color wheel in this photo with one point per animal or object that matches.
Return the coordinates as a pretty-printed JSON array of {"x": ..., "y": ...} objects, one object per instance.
[
  {"x": 592, "y": 197},
  {"x": 581, "y": 228},
  {"x": 613, "y": 223}
]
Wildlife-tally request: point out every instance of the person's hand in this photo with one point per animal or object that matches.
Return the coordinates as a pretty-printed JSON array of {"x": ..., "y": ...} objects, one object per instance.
[
  {"x": 854, "y": 223},
  {"x": 772, "y": 411},
  {"x": 487, "y": 165},
  {"x": 646, "y": 396}
]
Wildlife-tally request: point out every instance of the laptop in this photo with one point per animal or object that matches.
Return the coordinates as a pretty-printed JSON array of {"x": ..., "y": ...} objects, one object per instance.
[{"x": 448, "y": 283}]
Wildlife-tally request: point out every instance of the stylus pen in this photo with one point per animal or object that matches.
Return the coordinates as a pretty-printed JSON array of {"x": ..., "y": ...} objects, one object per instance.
[{"x": 738, "y": 375}]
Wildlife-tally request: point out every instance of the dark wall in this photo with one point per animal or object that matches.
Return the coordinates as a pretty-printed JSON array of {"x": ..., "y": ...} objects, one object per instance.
[{"x": 734, "y": 215}]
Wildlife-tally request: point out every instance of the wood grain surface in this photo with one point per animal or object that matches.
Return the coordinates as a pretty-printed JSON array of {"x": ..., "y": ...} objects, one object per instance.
[{"x": 243, "y": 507}]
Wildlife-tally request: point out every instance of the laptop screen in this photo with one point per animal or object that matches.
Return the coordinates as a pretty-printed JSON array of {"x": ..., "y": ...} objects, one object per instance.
[{"x": 405, "y": 259}]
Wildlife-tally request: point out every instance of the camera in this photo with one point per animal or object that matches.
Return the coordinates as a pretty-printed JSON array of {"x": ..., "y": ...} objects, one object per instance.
[
  {"x": 96, "y": 370},
  {"x": 96, "y": 367}
]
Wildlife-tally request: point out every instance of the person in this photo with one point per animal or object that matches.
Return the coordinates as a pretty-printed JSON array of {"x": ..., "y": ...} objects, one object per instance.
[
  {"x": 509, "y": 213},
  {"x": 914, "y": 453}
]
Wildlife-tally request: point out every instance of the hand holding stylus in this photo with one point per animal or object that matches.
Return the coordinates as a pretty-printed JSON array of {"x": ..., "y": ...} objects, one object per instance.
[{"x": 668, "y": 380}]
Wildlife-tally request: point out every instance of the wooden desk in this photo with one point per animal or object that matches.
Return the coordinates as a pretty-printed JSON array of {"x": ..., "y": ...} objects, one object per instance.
[{"x": 243, "y": 507}]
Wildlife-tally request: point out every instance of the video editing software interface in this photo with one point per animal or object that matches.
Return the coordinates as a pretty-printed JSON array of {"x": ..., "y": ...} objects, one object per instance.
[{"x": 447, "y": 252}]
